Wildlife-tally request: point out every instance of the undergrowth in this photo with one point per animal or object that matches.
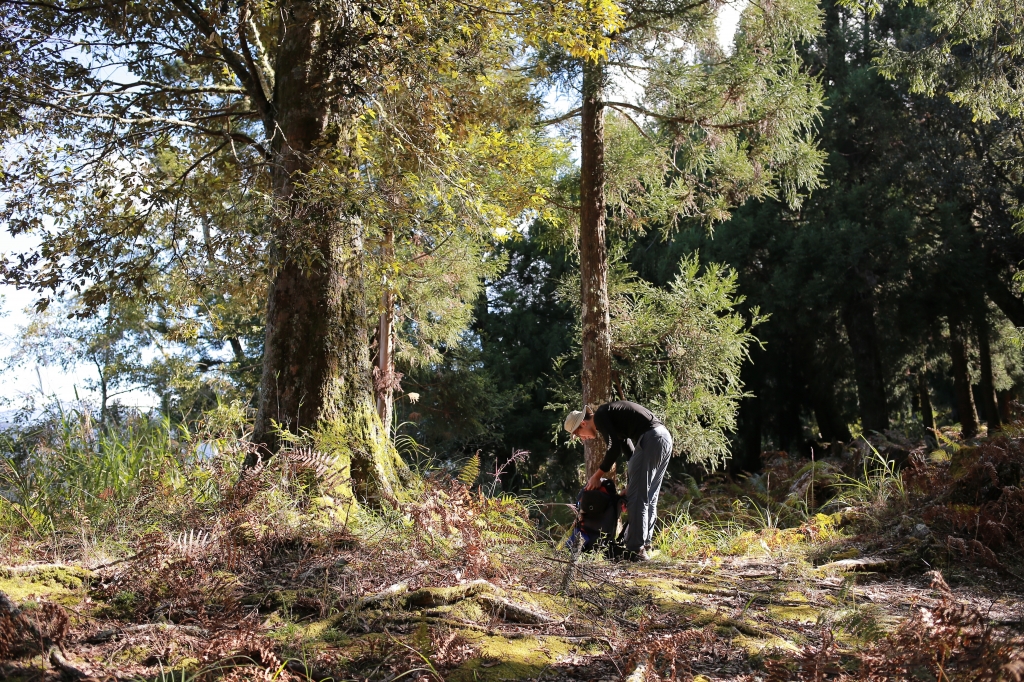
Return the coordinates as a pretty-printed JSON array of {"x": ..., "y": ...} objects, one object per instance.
[{"x": 245, "y": 563}]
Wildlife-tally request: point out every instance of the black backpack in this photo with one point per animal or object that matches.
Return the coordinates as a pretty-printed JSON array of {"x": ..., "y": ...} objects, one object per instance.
[{"x": 597, "y": 519}]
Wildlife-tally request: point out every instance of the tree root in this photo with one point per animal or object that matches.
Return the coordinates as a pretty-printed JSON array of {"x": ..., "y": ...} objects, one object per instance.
[
  {"x": 443, "y": 596},
  {"x": 68, "y": 671},
  {"x": 514, "y": 611}
]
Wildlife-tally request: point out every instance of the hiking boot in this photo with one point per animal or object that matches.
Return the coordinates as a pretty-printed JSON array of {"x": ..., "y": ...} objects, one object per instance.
[{"x": 636, "y": 556}]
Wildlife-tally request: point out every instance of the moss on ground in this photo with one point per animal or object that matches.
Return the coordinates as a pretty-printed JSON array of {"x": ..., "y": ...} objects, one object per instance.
[
  {"x": 803, "y": 614},
  {"x": 62, "y": 584},
  {"x": 499, "y": 658},
  {"x": 758, "y": 645}
]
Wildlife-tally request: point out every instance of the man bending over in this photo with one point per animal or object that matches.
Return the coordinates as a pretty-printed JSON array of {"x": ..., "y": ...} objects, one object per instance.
[{"x": 633, "y": 429}]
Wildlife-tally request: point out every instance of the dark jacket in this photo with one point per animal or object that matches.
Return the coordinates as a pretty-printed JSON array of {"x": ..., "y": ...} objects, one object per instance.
[{"x": 621, "y": 424}]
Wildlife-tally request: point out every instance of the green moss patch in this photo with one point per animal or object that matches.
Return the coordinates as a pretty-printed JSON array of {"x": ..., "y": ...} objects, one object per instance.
[
  {"x": 757, "y": 645},
  {"x": 803, "y": 614},
  {"x": 499, "y": 658},
  {"x": 62, "y": 584}
]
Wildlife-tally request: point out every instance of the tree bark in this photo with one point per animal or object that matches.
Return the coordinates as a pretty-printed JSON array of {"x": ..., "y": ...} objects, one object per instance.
[
  {"x": 1004, "y": 399},
  {"x": 962, "y": 381},
  {"x": 316, "y": 365},
  {"x": 385, "y": 378},
  {"x": 597, "y": 340},
  {"x": 1012, "y": 306},
  {"x": 927, "y": 414},
  {"x": 1005, "y": 300},
  {"x": 986, "y": 387},
  {"x": 859, "y": 320}
]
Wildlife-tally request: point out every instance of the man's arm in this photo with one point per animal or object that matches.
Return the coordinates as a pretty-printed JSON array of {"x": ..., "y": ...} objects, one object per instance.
[{"x": 606, "y": 464}]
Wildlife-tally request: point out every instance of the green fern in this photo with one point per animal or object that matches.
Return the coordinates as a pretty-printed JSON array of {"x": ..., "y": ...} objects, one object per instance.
[{"x": 470, "y": 470}]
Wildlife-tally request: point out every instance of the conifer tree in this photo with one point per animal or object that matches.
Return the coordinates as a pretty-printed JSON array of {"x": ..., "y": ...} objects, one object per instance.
[{"x": 712, "y": 128}]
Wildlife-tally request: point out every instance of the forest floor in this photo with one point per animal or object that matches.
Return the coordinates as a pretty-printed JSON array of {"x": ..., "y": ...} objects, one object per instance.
[{"x": 832, "y": 598}]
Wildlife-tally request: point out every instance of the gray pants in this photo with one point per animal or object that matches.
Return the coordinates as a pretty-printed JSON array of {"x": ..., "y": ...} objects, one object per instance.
[{"x": 646, "y": 472}]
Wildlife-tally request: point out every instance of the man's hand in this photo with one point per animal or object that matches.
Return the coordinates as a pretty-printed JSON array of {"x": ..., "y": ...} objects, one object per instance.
[{"x": 595, "y": 480}]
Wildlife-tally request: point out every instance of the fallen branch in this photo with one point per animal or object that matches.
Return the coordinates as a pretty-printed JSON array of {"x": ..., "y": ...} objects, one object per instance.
[
  {"x": 864, "y": 564},
  {"x": 107, "y": 635},
  {"x": 393, "y": 591},
  {"x": 68, "y": 671},
  {"x": 493, "y": 632},
  {"x": 29, "y": 570}
]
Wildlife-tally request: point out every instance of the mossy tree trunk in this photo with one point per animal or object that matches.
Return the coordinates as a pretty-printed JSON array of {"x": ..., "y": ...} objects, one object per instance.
[{"x": 316, "y": 364}]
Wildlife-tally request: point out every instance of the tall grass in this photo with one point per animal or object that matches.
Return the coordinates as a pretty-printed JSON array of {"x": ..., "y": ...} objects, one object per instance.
[
  {"x": 65, "y": 472},
  {"x": 880, "y": 482}
]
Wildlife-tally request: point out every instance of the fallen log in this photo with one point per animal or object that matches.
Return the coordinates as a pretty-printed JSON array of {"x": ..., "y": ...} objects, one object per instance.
[
  {"x": 862, "y": 564},
  {"x": 68, "y": 671},
  {"x": 107, "y": 635},
  {"x": 394, "y": 591}
]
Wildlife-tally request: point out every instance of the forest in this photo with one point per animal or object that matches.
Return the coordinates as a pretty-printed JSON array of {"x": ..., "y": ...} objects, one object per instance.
[{"x": 512, "y": 340}]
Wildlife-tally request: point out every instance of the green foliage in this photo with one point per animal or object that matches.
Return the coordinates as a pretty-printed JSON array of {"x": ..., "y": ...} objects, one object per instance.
[
  {"x": 679, "y": 350},
  {"x": 470, "y": 470},
  {"x": 970, "y": 51},
  {"x": 459, "y": 408},
  {"x": 64, "y": 470}
]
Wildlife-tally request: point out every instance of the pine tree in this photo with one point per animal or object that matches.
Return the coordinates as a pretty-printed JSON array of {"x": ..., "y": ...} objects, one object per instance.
[{"x": 718, "y": 127}]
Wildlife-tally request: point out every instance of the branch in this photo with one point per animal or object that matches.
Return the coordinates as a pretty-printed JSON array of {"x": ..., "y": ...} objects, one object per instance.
[
  {"x": 682, "y": 119},
  {"x": 159, "y": 87},
  {"x": 266, "y": 72},
  {"x": 563, "y": 117},
  {"x": 235, "y": 136},
  {"x": 233, "y": 60},
  {"x": 264, "y": 95},
  {"x": 47, "y": 5},
  {"x": 631, "y": 120}
]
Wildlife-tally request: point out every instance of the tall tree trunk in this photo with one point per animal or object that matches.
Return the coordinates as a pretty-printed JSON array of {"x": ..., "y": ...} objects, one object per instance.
[
  {"x": 986, "y": 388},
  {"x": 385, "y": 378},
  {"x": 597, "y": 340},
  {"x": 962, "y": 381},
  {"x": 316, "y": 364},
  {"x": 859, "y": 320},
  {"x": 746, "y": 456},
  {"x": 927, "y": 414},
  {"x": 1004, "y": 399}
]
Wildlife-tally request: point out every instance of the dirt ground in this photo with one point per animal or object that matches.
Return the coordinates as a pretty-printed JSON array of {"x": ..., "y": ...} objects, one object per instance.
[{"x": 712, "y": 619}]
